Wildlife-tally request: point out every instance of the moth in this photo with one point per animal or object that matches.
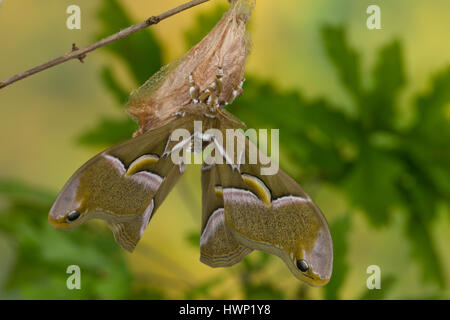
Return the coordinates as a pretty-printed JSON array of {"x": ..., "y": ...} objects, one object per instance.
[{"x": 242, "y": 209}]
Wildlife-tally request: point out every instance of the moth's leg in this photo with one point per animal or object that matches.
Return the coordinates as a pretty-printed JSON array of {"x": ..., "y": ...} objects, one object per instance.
[
  {"x": 219, "y": 81},
  {"x": 215, "y": 90},
  {"x": 204, "y": 96},
  {"x": 200, "y": 97},
  {"x": 236, "y": 93},
  {"x": 179, "y": 114},
  {"x": 218, "y": 88},
  {"x": 193, "y": 89},
  {"x": 213, "y": 101}
]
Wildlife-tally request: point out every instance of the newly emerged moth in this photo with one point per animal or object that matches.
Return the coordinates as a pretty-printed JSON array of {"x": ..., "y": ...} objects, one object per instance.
[{"x": 243, "y": 209}]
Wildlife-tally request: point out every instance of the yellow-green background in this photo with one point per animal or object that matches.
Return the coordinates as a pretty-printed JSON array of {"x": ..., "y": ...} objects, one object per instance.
[{"x": 41, "y": 117}]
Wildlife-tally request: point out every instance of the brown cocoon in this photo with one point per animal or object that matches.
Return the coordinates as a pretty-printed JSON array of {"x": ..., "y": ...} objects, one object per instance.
[{"x": 226, "y": 46}]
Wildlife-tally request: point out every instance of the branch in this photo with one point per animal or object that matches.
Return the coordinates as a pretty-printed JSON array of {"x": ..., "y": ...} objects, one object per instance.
[{"x": 80, "y": 54}]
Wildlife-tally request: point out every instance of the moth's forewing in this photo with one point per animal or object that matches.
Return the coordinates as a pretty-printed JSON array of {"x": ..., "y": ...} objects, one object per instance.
[
  {"x": 218, "y": 247},
  {"x": 123, "y": 185},
  {"x": 273, "y": 214}
]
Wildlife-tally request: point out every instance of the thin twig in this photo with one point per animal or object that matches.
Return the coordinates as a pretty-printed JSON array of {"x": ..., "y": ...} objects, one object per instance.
[{"x": 80, "y": 54}]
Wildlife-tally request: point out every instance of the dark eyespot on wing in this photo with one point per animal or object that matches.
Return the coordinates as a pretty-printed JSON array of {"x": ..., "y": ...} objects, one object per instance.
[
  {"x": 73, "y": 215},
  {"x": 302, "y": 265}
]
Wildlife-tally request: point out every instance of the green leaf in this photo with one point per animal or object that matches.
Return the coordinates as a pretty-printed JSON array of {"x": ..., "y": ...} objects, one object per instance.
[
  {"x": 339, "y": 230},
  {"x": 113, "y": 86},
  {"x": 433, "y": 119},
  {"x": 422, "y": 209},
  {"x": 371, "y": 184},
  {"x": 314, "y": 134},
  {"x": 109, "y": 132},
  {"x": 423, "y": 249},
  {"x": 264, "y": 105},
  {"x": 140, "y": 51},
  {"x": 389, "y": 78},
  {"x": 388, "y": 74},
  {"x": 428, "y": 141},
  {"x": 343, "y": 57}
]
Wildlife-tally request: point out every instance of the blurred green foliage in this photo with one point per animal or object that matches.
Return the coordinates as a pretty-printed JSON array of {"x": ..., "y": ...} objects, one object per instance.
[
  {"x": 339, "y": 231},
  {"x": 43, "y": 255},
  {"x": 365, "y": 153}
]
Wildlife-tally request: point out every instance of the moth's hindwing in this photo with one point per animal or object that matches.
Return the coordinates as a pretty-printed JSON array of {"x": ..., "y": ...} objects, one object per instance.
[
  {"x": 218, "y": 247},
  {"x": 273, "y": 214}
]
